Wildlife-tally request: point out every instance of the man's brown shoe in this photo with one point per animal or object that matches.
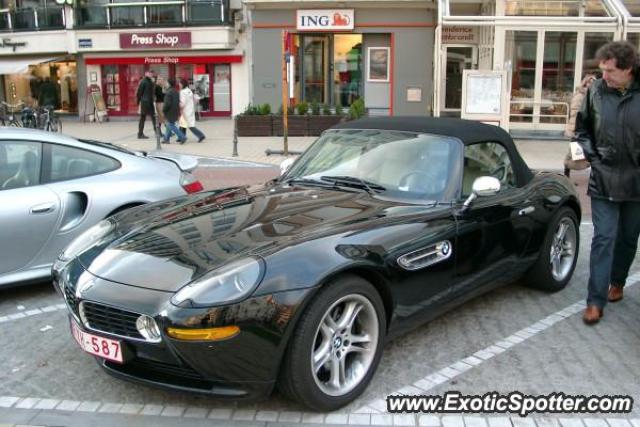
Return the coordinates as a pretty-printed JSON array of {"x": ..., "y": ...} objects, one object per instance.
[
  {"x": 592, "y": 315},
  {"x": 615, "y": 293}
]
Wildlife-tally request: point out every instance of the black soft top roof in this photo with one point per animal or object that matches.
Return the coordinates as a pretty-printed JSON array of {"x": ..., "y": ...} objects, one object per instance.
[{"x": 468, "y": 131}]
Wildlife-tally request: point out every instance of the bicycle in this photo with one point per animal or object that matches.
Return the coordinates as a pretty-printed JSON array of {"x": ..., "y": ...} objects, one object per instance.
[
  {"x": 9, "y": 114},
  {"x": 48, "y": 120},
  {"x": 29, "y": 118}
]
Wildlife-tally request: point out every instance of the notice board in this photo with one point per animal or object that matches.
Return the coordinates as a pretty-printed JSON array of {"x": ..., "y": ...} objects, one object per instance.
[
  {"x": 99, "y": 106},
  {"x": 484, "y": 96}
]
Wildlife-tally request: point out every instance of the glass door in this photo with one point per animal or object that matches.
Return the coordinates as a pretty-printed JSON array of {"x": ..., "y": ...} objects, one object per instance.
[
  {"x": 315, "y": 68},
  {"x": 222, "y": 89},
  {"x": 459, "y": 58},
  {"x": 521, "y": 53},
  {"x": 543, "y": 70}
]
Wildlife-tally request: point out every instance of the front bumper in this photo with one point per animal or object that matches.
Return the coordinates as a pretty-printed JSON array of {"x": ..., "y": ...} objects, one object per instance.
[{"x": 244, "y": 366}]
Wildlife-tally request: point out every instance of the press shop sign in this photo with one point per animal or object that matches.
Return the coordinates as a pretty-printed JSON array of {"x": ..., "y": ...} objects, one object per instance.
[
  {"x": 171, "y": 40},
  {"x": 325, "y": 20}
]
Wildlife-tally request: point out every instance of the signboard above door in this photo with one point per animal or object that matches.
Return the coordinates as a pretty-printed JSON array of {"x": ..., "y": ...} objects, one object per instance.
[
  {"x": 162, "y": 40},
  {"x": 459, "y": 35},
  {"x": 325, "y": 20}
]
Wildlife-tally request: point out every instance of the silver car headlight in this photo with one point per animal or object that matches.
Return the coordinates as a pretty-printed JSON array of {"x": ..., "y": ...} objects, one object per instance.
[
  {"x": 231, "y": 283},
  {"x": 86, "y": 240}
]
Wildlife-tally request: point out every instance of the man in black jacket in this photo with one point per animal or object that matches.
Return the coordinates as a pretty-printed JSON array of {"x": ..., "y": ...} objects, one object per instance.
[
  {"x": 608, "y": 129},
  {"x": 171, "y": 110},
  {"x": 145, "y": 97}
]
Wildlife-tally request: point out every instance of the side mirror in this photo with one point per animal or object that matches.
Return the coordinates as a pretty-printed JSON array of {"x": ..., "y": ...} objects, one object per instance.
[
  {"x": 285, "y": 165},
  {"x": 483, "y": 186}
]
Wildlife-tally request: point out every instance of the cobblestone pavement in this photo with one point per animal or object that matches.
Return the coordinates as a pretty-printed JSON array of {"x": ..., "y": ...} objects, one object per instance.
[{"x": 512, "y": 339}]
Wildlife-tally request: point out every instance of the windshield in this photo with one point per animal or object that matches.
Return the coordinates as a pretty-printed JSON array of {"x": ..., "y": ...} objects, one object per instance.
[{"x": 401, "y": 165}]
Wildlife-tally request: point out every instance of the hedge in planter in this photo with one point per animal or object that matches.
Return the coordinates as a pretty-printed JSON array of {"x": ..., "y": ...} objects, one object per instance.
[{"x": 255, "y": 121}]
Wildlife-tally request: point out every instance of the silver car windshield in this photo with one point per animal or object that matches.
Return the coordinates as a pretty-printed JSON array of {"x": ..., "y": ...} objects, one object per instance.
[{"x": 391, "y": 164}]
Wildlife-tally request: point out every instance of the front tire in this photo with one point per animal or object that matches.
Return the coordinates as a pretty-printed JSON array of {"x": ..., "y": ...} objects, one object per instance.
[
  {"x": 558, "y": 254},
  {"x": 336, "y": 346}
]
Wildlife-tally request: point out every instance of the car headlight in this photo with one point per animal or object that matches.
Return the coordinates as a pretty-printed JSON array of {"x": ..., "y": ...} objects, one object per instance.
[
  {"x": 226, "y": 285},
  {"x": 86, "y": 240}
]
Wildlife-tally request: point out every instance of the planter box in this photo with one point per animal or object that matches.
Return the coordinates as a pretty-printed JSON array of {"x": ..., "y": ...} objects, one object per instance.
[
  {"x": 298, "y": 125},
  {"x": 254, "y": 125},
  {"x": 318, "y": 124}
]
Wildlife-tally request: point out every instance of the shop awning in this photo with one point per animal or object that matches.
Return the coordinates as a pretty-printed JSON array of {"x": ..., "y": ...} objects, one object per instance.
[{"x": 19, "y": 66}]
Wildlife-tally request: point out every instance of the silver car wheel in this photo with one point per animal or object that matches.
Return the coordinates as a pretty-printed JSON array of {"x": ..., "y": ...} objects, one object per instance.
[
  {"x": 563, "y": 249},
  {"x": 345, "y": 345}
]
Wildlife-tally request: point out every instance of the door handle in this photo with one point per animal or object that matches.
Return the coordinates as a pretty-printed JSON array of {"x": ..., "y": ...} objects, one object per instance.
[
  {"x": 43, "y": 208},
  {"x": 526, "y": 211}
]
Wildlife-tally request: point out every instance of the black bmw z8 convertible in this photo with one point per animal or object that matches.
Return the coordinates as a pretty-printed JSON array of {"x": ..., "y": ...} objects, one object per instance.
[{"x": 379, "y": 226}]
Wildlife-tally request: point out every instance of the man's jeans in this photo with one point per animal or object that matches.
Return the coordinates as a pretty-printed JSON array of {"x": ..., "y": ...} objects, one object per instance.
[
  {"x": 616, "y": 226},
  {"x": 172, "y": 128}
]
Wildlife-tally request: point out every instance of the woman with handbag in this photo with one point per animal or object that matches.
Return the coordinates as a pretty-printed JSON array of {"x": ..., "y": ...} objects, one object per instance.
[{"x": 188, "y": 105}]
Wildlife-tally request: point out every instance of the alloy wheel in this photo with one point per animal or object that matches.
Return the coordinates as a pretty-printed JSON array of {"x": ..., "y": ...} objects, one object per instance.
[{"x": 345, "y": 345}]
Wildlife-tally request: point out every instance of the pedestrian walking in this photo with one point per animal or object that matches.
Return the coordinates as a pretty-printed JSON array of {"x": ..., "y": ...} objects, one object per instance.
[
  {"x": 48, "y": 94},
  {"x": 145, "y": 98},
  {"x": 159, "y": 98},
  {"x": 171, "y": 110},
  {"x": 576, "y": 102},
  {"x": 608, "y": 130},
  {"x": 188, "y": 105}
]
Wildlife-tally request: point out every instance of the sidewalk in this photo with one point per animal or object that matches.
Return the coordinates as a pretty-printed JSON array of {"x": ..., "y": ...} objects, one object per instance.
[
  {"x": 542, "y": 154},
  {"x": 538, "y": 154}
]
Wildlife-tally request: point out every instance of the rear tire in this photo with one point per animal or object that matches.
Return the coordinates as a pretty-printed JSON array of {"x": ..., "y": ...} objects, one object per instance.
[
  {"x": 558, "y": 254},
  {"x": 336, "y": 347}
]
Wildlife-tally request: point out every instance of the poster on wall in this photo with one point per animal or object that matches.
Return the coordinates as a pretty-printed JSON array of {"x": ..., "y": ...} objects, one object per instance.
[{"x": 378, "y": 64}]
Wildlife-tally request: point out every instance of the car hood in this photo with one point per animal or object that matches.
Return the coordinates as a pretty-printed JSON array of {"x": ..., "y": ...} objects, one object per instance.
[{"x": 169, "y": 244}]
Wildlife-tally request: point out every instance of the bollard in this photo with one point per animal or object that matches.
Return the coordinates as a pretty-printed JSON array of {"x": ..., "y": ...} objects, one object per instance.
[{"x": 235, "y": 136}]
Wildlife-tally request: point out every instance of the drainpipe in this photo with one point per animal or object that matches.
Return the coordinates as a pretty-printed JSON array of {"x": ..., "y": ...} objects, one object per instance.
[{"x": 437, "y": 61}]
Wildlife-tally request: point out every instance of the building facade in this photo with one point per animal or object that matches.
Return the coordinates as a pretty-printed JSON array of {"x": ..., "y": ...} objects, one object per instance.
[
  {"x": 375, "y": 50},
  {"x": 403, "y": 57},
  {"x": 107, "y": 45}
]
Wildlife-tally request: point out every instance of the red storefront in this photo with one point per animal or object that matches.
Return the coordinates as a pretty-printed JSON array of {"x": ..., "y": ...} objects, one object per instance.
[{"x": 210, "y": 77}]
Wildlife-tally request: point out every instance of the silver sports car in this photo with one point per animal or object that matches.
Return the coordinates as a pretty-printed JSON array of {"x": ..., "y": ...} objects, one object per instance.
[{"x": 54, "y": 187}]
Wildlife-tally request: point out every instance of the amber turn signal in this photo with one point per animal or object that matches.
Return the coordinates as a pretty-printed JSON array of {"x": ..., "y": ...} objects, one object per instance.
[{"x": 207, "y": 334}]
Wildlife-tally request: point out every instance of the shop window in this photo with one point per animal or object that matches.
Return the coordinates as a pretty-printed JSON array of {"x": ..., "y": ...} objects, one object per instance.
[
  {"x": 71, "y": 163},
  {"x": 29, "y": 88},
  {"x": 593, "y": 42},
  {"x": 111, "y": 87},
  {"x": 557, "y": 76},
  {"x": 521, "y": 52},
  {"x": 222, "y": 87},
  {"x": 555, "y": 8},
  {"x": 91, "y": 13},
  {"x": 201, "y": 85},
  {"x": 347, "y": 68},
  {"x": 208, "y": 12},
  {"x": 135, "y": 73}
]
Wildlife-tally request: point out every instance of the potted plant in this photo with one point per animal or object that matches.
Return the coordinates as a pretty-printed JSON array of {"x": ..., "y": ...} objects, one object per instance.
[{"x": 255, "y": 121}]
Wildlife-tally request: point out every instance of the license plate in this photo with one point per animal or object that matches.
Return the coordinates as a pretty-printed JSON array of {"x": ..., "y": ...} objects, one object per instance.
[{"x": 98, "y": 346}]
